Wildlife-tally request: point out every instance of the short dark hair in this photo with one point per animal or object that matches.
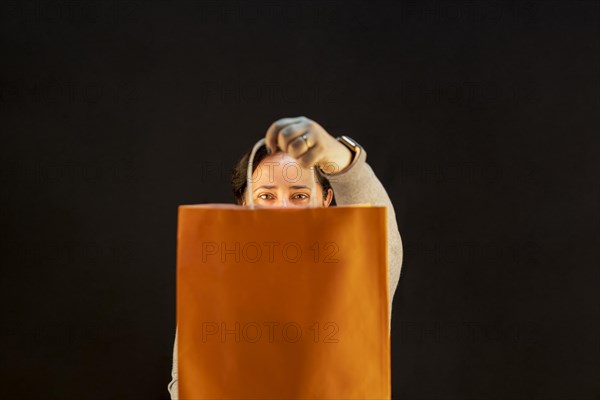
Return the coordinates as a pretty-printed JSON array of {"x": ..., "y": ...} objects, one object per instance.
[{"x": 238, "y": 176}]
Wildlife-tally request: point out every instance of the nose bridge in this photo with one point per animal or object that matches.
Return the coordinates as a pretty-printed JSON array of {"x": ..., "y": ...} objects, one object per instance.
[
  {"x": 282, "y": 199},
  {"x": 283, "y": 202}
]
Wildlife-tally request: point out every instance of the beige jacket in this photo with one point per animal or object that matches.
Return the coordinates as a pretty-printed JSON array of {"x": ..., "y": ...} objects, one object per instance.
[{"x": 356, "y": 185}]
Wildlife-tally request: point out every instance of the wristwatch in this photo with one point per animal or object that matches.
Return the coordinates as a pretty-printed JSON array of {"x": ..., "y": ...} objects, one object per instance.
[{"x": 354, "y": 148}]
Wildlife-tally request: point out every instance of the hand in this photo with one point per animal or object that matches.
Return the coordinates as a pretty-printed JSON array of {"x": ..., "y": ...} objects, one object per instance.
[{"x": 319, "y": 148}]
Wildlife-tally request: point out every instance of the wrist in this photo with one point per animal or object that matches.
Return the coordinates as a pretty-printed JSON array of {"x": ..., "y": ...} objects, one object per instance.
[{"x": 346, "y": 155}]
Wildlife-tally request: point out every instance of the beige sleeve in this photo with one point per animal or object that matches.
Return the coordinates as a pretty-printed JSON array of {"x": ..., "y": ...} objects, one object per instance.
[{"x": 173, "y": 390}]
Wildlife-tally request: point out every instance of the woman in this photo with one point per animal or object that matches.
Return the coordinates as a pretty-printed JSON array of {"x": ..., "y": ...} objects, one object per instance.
[{"x": 282, "y": 178}]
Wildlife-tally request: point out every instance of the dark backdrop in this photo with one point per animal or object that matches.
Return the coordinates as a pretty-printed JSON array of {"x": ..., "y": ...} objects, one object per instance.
[{"x": 480, "y": 118}]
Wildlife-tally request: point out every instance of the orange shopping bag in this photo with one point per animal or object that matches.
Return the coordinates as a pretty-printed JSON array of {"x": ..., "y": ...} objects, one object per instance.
[{"x": 282, "y": 303}]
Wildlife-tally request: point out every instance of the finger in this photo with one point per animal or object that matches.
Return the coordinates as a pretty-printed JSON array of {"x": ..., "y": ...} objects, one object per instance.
[
  {"x": 273, "y": 131},
  {"x": 289, "y": 138},
  {"x": 310, "y": 157},
  {"x": 298, "y": 145}
]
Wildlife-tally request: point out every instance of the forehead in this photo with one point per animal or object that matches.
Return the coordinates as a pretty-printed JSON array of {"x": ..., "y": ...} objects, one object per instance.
[{"x": 281, "y": 168}]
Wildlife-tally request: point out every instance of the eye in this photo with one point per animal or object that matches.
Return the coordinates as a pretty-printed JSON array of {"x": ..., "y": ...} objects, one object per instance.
[
  {"x": 300, "y": 196},
  {"x": 265, "y": 196}
]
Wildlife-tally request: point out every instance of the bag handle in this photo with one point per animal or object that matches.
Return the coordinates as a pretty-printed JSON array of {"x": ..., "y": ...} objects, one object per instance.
[{"x": 313, "y": 188}]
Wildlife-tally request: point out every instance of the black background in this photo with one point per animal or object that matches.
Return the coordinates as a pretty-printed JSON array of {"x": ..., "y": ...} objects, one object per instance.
[{"x": 480, "y": 118}]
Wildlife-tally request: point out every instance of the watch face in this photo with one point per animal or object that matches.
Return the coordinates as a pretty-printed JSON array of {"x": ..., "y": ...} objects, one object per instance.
[
  {"x": 351, "y": 144},
  {"x": 349, "y": 141}
]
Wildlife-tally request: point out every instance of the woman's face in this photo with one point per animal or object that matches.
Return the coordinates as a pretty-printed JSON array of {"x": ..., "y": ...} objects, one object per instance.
[{"x": 279, "y": 181}]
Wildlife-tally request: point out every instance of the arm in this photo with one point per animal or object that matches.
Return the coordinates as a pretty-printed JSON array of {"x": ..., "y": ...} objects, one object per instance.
[{"x": 359, "y": 184}]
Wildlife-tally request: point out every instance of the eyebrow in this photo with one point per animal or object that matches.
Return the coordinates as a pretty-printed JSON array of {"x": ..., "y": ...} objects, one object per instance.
[{"x": 275, "y": 187}]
